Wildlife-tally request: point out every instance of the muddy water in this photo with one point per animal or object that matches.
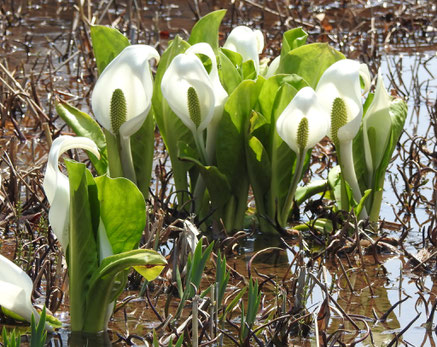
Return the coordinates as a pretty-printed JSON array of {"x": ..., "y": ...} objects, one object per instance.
[{"x": 37, "y": 41}]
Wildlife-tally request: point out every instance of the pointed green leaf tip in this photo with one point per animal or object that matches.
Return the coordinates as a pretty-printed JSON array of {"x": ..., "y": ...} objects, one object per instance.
[
  {"x": 302, "y": 133},
  {"x": 194, "y": 106},
  {"x": 338, "y": 117},
  {"x": 118, "y": 110}
]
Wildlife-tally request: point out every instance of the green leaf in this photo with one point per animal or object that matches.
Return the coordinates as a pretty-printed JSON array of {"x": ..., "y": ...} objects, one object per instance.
[
  {"x": 340, "y": 189},
  {"x": 259, "y": 167},
  {"x": 249, "y": 71},
  {"x": 221, "y": 279},
  {"x": 231, "y": 147},
  {"x": 142, "y": 143},
  {"x": 232, "y": 130},
  {"x": 309, "y": 190},
  {"x": 123, "y": 212},
  {"x": 309, "y": 61},
  {"x": 270, "y": 89},
  {"x": 228, "y": 69},
  {"x": 360, "y": 206},
  {"x": 282, "y": 157},
  {"x": 83, "y": 125},
  {"x": 216, "y": 182},
  {"x": 292, "y": 39},
  {"x": 82, "y": 250},
  {"x": 100, "y": 291},
  {"x": 170, "y": 126},
  {"x": 207, "y": 28},
  {"x": 197, "y": 270},
  {"x": 107, "y": 44},
  {"x": 38, "y": 333}
]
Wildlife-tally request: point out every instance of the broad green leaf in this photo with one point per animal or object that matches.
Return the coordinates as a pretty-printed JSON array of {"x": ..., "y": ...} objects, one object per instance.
[
  {"x": 99, "y": 294},
  {"x": 292, "y": 39},
  {"x": 282, "y": 157},
  {"x": 207, "y": 29},
  {"x": 309, "y": 61},
  {"x": 149, "y": 272},
  {"x": 216, "y": 183},
  {"x": 270, "y": 88},
  {"x": 230, "y": 148},
  {"x": 123, "y": 212},
  {"x": 82, "y": 250},
  {"x": 107, "y": 44},
  {"x": 309, "y": 190},
  {"x": 249, "y": 71},
  {"x": 259, "y": 166},
  {"x": 228, "y": 70},
  {"x": 170, "y": 126},
  {"x": 231, "y": 134},
  {"x": 142, "y": 143},
  {"x": 83, "y": 125}
]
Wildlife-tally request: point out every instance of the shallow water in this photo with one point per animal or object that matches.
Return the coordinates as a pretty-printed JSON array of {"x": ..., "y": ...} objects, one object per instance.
[{"x": 39, "y": 43}]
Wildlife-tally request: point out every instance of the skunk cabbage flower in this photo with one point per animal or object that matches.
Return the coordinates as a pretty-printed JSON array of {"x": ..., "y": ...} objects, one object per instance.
[
  {"x": 220, "y": 94},
  {"x": 126, "y": 81},
  {"x": 16, "y": 291},
  {"x": 339, "y": 91},
  {"x": 189, "y": 92},
  {"x": 247, "y": 42},
  {"x": 195, "y": 96},
  {"x": 56, "y": 185},
  {"x": 303, "y": 123},
  {"x": 342, "y": 81},
  {"x": 377, "y": 126}
]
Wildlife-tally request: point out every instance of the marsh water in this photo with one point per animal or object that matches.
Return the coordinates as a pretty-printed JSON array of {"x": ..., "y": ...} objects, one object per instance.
[{"x": 49, "y": 58}]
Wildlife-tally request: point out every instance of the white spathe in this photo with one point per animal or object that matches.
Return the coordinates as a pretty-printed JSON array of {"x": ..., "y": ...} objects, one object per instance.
[
  {"x": 16, "y": 291},
  {"x": 273, "y": 67},
  {"x": 130, "y": 72},
  {"x": 247, "y": 42},
  {"x": 342, "y": 80},
  {"x": 304, "y": 104},
  {"x": 220, "y": 94},
  {"x": 186, "y": 70},
  {"x": 56, "y": 185},
  {"x": 377, "y": 123}
]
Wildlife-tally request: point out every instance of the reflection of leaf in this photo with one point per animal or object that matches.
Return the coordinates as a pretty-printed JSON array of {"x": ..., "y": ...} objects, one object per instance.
[{"x": 323, "y": 316}]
